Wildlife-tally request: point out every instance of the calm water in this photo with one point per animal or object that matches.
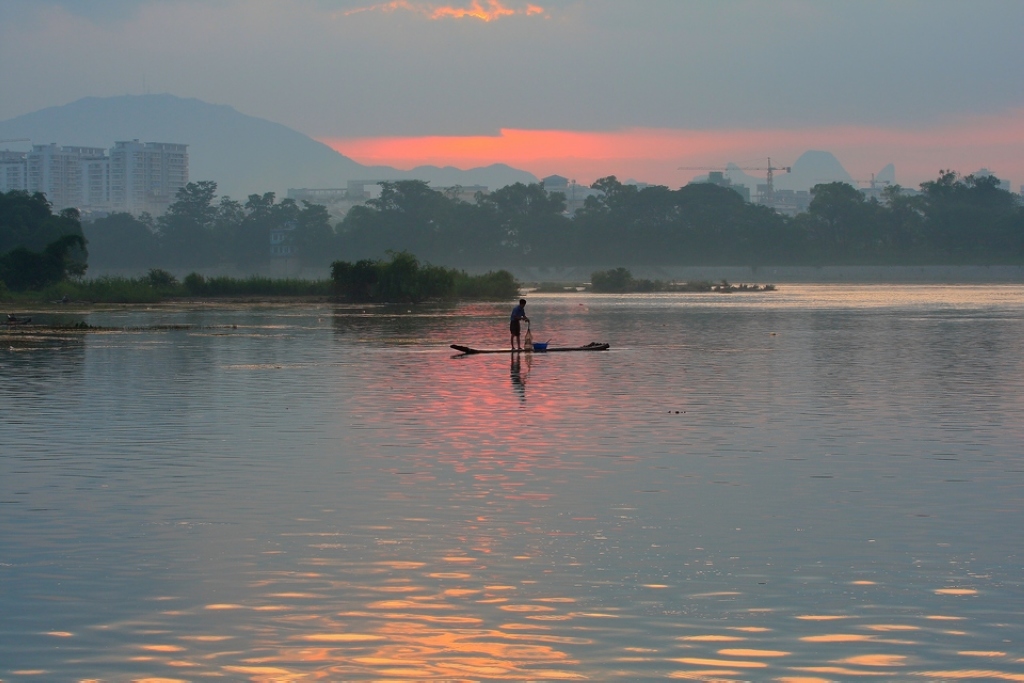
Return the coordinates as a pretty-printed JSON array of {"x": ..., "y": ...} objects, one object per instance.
[{"x": 821, "y": 483}]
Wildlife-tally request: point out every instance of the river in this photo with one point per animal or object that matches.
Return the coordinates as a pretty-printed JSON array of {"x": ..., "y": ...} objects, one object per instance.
[{"x": 821, "y": 483}]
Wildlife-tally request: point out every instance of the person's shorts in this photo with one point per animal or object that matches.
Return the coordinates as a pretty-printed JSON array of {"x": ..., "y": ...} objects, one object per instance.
[{"x": 513, "y": 327}]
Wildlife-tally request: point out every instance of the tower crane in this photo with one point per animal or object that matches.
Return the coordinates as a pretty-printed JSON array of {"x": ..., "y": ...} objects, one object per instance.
[
  {"x": 873, "y": 184},
  {"x": 769, "y": 195},
  {"x": 15, "y": 140}
]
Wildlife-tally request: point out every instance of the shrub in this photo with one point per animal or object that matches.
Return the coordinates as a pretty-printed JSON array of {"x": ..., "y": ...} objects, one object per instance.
[
  {"x": 618, "y": 280},
  {"x": 194, "y": 284},
  {"x": 496, "y": 285},
  {"x": 403, "y": 279},
  {"x": 161, "y": 279}
]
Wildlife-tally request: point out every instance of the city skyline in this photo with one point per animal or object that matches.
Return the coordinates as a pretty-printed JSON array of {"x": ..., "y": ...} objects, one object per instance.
[{"x": 581, "y": 89}]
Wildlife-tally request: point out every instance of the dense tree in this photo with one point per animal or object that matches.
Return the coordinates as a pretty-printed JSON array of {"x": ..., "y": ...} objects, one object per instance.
[
  {"x": 401, "y": 278},
  {"x": 186, "y": 230},
  {"x": 27, "y": 220},
  {"x": 838, "y": 221},
  {"x": 22, "y": 269},
  {"x": 38, "y": 248},
  {"x": 314, "y": 238},
  {"x": 250, "y": 247},
  {"x": 121, "y": 240},
  {"x": 970, "y": 217},
  {"x": 230, "y": 214},
  {"x": 528, "y": 222}
]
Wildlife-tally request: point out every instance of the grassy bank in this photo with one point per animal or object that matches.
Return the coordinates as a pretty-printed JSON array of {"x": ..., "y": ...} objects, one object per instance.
[{"x": 388, "y": 284}]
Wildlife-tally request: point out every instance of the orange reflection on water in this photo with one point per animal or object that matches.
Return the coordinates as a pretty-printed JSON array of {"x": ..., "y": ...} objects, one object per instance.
[
  {"x": 892, "y": 627},
  {"x": 837, "y": 638},
  {"x": 703, "y": 661},
  {"x": 875, "y": 660},
  {"x": 972, "y": 674},
  {"x": 712, "y": 638},
  {"x": 714, "y": 675},
  {"x": 339, "y": 637},
  {"x": 162, "y": 648},
  {"x": 842, "y": 671},
  {"x": 206, "y": 639},
  {"x": 749, "y": 652}
]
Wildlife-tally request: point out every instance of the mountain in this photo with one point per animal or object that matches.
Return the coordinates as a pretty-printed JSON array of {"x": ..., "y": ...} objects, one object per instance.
[
  {"x": 243, "y": 154},
  {"x": 887, "y": 175},
  {"x": 813, "y": 168}
]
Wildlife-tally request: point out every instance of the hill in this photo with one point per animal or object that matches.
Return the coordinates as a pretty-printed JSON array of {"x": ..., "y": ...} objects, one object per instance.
[{"x": 243, "y": 154}]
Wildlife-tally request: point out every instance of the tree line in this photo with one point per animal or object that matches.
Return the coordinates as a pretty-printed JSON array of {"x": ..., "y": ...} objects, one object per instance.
[
  {"x": 200, "y": 230},
  {"x": 952, "y": 220}
]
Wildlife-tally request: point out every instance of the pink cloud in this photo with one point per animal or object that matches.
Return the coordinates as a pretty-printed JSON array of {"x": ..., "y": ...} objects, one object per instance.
[
  {"x": 655, "y": 155},
  {"x": 484, "y": 10}
]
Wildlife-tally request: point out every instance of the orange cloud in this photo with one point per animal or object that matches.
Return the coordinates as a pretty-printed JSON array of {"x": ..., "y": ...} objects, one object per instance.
[
  {"x": 654, "y": 155},
  {"x": 489, "y": 10}
]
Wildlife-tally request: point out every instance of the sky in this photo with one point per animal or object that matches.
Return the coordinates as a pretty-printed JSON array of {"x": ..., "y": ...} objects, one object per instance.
[{"x": 581, "y": 88}]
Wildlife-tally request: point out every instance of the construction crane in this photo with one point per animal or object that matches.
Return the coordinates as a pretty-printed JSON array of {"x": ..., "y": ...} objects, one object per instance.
[
  {"x": 872, "y": 184},
  {"x": 769, "y": 195},
  {"x": 15, "y": 140}
]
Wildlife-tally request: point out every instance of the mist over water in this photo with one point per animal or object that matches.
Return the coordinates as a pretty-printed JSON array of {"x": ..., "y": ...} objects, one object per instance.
[{"x": 819, "y": 483}]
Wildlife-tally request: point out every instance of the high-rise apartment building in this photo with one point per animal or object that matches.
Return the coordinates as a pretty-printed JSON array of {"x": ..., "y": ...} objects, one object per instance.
[
  {"x": 146, "y": 176},
  {"x": 133, "y": 177},
  {"x": 56, "y": 171},
  {"x": 12, "y": 171}
]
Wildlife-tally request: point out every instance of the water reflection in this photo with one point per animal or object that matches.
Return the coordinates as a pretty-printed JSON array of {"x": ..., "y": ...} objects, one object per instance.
[
  {"x": 518, "y": 376},
  {"x": 308, "y": 498}
]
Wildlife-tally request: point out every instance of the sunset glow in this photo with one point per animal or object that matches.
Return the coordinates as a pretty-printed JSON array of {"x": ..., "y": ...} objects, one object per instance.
[
  {"x": 655, "y": 155},
  {"x": 487, "y": 10}
]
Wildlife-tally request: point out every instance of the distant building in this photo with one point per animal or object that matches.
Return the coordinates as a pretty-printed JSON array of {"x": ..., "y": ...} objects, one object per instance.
[
  {"x": 57, "y": 172},
  {"x": 464, "y": 193},
  {"x": 13, "y": 171},
  {"x": 575, "y": 195},
  {"x": 792, "y": 202},
  {"x": 146, "y": 176},
  {"x": 284, "y": 257},
  {"x": 281, "y": 245},
  {"x": 555, "y": 183},
  {"x": 133, "y": 176},
  {"x": 357, "y": 189},
  {"x": 985, "y": 173},
  {"x": 327, "y": 195}
]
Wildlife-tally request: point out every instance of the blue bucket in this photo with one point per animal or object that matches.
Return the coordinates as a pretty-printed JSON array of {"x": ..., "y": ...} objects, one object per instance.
[{"x": 540, "y": 346}]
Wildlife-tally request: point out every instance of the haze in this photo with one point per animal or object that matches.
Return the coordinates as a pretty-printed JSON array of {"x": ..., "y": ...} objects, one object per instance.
[{"x": 580, "y": 88}]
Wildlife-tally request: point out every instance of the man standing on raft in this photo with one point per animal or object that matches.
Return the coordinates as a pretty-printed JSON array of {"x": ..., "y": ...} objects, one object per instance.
[{"x": 518, "y": 313}]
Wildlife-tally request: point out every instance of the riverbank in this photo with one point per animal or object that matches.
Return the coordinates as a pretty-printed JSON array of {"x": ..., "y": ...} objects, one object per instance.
[{"x": 796, "y": 274}]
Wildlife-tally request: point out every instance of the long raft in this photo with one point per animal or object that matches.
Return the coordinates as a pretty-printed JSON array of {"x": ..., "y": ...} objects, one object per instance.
[{"x": 592, "y": 346}]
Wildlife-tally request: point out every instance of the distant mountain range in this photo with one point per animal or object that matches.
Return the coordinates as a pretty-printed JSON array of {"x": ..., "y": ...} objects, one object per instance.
[
  {"x": 243, "y": 154},
  {"x": 247, "y": 155}
]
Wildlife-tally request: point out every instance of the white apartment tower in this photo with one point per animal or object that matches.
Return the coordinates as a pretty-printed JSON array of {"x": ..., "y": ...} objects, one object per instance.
[
  {"x": 146, "y": 176},
  {"x": 56, "y": 171},
  {"x": 12, "y": 171},
  {"x": 134, "y": 177}
]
